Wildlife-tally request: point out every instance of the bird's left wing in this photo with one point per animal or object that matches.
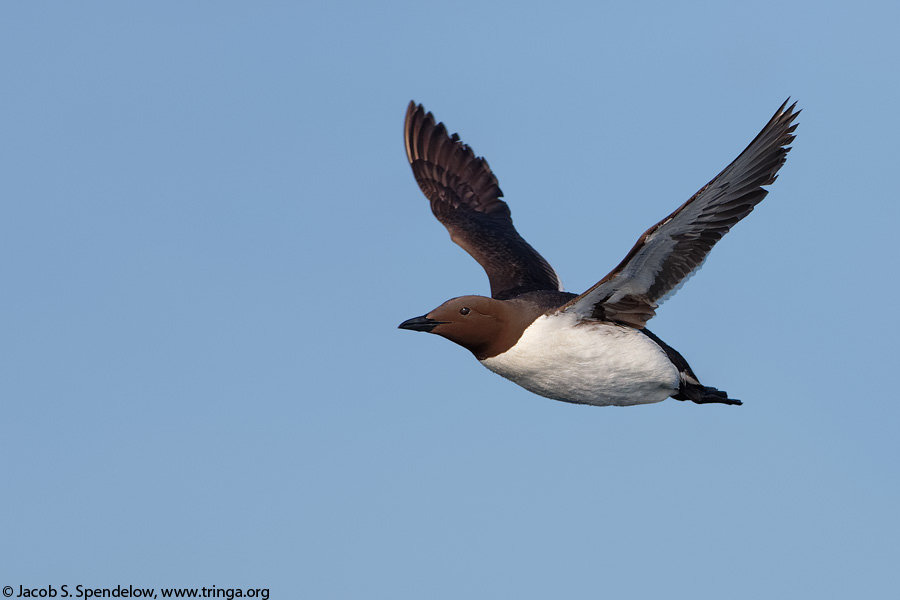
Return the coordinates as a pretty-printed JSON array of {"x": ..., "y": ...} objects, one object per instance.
[{"x": 675, "y": 247}]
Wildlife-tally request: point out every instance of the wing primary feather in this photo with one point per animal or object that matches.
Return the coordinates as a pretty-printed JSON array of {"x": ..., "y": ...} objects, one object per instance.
[
  {"x": 466, "y": 198},
  {"x": 670, "y": 251}
]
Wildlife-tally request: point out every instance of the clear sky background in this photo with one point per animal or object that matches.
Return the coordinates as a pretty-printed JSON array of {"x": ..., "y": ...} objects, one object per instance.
[{"x": 210, "y": 233}]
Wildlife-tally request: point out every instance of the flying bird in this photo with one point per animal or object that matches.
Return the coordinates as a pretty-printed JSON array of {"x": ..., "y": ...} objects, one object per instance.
[{"x": 592, "y": 348}]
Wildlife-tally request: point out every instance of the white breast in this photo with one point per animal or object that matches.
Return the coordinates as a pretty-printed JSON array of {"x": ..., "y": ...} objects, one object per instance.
[{"x": 586, "y": 362}]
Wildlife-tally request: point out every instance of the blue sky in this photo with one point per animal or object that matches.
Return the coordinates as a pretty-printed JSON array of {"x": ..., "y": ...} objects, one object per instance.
[{"x": 210, "y": 234}]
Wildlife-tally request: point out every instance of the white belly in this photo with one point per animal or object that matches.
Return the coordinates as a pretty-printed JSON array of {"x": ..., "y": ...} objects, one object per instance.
[{"x": 588, "y": 363}]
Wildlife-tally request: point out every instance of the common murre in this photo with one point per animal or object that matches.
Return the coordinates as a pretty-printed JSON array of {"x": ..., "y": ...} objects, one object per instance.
[{"x": 592, "y": 348}]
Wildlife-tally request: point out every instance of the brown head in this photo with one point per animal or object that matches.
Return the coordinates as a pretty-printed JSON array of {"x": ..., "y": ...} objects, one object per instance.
[{"x": 484, "y": 326}]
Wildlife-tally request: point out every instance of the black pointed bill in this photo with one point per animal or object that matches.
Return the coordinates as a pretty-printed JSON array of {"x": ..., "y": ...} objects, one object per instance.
[{"x": 420, "y": 324}]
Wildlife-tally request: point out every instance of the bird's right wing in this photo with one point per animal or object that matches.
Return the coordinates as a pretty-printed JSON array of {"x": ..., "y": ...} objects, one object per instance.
[{"x": 466, "y": 198}]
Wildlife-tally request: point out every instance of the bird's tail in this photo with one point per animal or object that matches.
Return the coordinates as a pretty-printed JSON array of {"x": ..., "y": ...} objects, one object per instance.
[
  {"x": 702, "y": 394},
  {"x": 690, "y": 387}
]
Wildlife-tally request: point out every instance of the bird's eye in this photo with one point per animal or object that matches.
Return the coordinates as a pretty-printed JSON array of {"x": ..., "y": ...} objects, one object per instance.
[{"x": 464, "y": 310}]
